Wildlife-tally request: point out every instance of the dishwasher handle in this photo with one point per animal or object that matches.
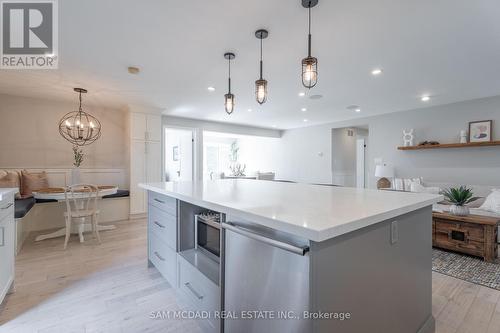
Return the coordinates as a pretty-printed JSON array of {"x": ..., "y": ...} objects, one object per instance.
[{"x": 270, "y": 241}]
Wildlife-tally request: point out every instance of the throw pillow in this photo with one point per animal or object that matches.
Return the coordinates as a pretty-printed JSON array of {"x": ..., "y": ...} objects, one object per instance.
[
  {"x": 32, "y": 181},
  {"x": 418, "y": 187},
  {"x": 492, "y": 202},
  {"x": 10, "y": 179}
]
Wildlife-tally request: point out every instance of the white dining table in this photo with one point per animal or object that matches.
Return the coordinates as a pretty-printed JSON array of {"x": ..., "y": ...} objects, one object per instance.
[{"x": 79, "y": 228}]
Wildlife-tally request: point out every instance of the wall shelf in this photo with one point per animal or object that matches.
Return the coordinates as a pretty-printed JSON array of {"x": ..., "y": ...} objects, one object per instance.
[{"x": 452, "y": 145}]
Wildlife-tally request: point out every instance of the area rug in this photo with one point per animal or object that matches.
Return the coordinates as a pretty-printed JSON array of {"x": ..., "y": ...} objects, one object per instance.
[{"x": 464, "y": 267}]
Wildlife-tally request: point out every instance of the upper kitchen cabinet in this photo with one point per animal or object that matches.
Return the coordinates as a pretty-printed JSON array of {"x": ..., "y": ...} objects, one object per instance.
[{"x": 145, "y": 127}]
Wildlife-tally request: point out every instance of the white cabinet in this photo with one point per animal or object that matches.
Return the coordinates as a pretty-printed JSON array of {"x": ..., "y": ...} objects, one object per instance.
[
  {"x": 145, "y": 127},
  {"x": 145, "y": 157},
  {"x": 7, "y": 244},
  {"x": 153, "y": 125}
]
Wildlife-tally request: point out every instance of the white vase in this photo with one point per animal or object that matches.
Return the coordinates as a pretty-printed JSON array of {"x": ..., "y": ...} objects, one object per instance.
[
  {"x": 75, "y": 176},
  {"x": 459, "y": 210}
]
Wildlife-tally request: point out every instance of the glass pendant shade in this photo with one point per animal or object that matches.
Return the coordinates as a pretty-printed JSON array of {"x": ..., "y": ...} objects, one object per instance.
[
  {"x": 261, "y": 83},
  {"x": 79, "y": 127},
  {"x": 310, "y": 63},
  {"x": 229, "y": 97},
  {"x": 229, "y": 103},
  {"x": 261, "y": 91},
  {"x": 309, "y": 72}
]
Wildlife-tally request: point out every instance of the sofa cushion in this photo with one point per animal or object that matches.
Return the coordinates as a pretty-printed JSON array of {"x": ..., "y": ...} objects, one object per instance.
[
  {"x": 32, "y": 181},
  {"x": 118, "y": 194},
  {"x": 22, "y": 207},
  {"x": 492, "y": 202}
]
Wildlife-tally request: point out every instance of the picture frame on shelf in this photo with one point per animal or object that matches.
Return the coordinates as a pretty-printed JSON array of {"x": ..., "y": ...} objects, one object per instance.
[{"x": 480, "y": 131}]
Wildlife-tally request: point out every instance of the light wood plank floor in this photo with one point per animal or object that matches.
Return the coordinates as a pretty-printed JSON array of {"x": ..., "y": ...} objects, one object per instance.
[
  {"x": 90, "y": 287},
  {"x": 108, "y": 288}
]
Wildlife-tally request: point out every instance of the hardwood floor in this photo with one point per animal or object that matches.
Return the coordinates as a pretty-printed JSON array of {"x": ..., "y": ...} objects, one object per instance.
[
  {"x": 90, "y": 287},
  {"x": 108, "y": 288}
]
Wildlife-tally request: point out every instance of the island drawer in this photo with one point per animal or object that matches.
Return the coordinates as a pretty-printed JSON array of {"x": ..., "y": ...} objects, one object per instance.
[
  {"x": 164, "y": 225},
  {"x": 163, "y": 202},
  {"x": 164, "y": 258},
  {"x": 201, "y": 293}
]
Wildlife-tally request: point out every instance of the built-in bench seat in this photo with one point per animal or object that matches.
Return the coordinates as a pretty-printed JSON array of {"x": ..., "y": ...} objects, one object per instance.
[
  {"x": 23, "y": 206},
  {"x": 44, "y": 214}
]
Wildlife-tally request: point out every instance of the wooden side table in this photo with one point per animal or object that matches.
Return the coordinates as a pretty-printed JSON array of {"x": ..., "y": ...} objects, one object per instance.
[{"x": 473, "y": 234}]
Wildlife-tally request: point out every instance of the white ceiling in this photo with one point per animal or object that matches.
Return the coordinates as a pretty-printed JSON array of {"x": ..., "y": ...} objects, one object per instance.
[{"x": 447, "y": 48}]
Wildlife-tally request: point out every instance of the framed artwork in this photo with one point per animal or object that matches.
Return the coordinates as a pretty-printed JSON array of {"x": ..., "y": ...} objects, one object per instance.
[
  {"x": 175, "y": 153},
  {"x": 480, "y": 131}
]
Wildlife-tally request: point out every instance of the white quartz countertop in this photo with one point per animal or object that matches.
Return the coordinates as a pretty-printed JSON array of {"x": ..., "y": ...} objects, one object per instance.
[
  {"x": 7, "y": 191},
  {"x": 314, "y": 212}
]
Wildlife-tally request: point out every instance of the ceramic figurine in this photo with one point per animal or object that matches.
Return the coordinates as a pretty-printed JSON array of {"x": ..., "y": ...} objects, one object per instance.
[
  {"x": 408, "y": 137},
  {"x": 463, "y": 136}
]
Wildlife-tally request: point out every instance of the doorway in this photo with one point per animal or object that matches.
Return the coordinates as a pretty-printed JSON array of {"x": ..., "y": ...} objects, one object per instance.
[
  {"x": 178, "y": 154},
  {"x": 349, "y": 147}
]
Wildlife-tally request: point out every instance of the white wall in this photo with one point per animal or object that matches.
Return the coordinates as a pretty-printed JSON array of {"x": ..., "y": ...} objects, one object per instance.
[
  {"x": 479, "y": 166},
  {"x": 29, "y": 138},
  {"x": 29, "y": 135},
  {"x": 304, "y": 155}
]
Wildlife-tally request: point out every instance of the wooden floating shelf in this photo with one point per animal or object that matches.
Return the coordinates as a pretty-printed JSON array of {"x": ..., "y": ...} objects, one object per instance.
[{"x": 452, "y": 145}]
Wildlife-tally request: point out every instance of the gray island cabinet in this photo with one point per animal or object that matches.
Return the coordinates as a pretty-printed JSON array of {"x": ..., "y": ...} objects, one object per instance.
[{"x": 262, "y": 256}]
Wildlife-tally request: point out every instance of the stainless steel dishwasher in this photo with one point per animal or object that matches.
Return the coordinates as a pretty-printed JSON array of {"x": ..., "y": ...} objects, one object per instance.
[{"x": 266, "y": 278}]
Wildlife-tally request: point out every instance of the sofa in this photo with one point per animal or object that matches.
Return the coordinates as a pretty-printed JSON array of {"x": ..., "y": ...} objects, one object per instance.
[{"x": 481, "y": 191}]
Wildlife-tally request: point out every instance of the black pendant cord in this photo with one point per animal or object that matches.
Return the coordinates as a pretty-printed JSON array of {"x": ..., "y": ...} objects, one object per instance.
[
  {"x": 309, "y": 36},
  {"x": 229, "y": 79},
  {"x": 261, "y": 58}
]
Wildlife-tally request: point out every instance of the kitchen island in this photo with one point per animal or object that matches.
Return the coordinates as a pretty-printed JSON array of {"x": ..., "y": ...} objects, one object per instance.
[{"x": 263, "y": 256}]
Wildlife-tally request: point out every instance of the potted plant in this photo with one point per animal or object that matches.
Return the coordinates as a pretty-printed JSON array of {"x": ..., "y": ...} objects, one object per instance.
[
  {"x": 78, "y": 159},
  {"x": 459, "y": 197}
]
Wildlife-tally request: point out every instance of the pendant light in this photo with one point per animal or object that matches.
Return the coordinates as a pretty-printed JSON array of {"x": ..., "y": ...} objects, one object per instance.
[
  {"x": 310, "y": 63},
  {"x": 229, "y": 97},
  {"x": 79, "y": 127},
  {"x": 261, "y": 84}
]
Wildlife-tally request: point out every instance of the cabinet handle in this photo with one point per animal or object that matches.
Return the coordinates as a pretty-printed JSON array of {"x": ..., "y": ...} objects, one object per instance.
[
  {"x": 159, "y": 224},
  {"x": 146, "y": 148},
  {"x": 159, "y": 256},
  {"x": 146, "y": 136},
  {"x": 8, "y": 206},
  {"x": 191, "y": 289},
  {"x": 3, "y": 236},
  {"x": 160, "y": 201}
]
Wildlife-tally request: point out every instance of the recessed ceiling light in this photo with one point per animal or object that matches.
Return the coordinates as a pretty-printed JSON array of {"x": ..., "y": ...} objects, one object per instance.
[
  {"x": 211, "y": 89},
  {"x": 274, "y": 126},
  {"x": 249, "y": 110},
  {"x": 377, "y": 71},
  {"x": 425, "y": 98},
  {"x": 354, "y": 108},
  {"x": 302, "y": 94},
  {"x": 305, "y": 120},
  {"x": 303, "y": 109}
]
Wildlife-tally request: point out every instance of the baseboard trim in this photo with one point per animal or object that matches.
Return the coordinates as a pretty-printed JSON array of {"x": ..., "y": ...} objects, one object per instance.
[
  {"x": 429, "y": 326},
  {"x": 138, "y": 216}
]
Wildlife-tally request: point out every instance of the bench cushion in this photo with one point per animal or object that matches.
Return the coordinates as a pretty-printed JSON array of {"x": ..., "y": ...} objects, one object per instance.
[
  {"x": 118, "y": 194},
  {"x": 22, "y": 207}
]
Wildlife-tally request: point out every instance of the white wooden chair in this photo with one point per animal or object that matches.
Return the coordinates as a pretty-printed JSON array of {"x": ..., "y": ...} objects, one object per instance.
[{"x": 81, "y": 205}]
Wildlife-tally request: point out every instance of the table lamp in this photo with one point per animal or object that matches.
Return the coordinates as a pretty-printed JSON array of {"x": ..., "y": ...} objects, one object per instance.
[{"x": 384, "y": 172}]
